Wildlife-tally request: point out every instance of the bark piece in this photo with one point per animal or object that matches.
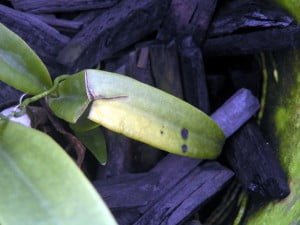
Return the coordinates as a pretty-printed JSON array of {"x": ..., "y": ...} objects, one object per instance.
[
  {"x": 63, "y": 25},
  {"x": 236, "y": 111},
  {"x": 235, "y": 16},
  {"x": 272, "y": 39},
  {"x": 193, "y": 74},
  {"x": 115, "y": 29},
  {"x": 187, "y": 196},
  {"x": 128, "y": 190},
  {"x": 45, "y": 6},
  {"x": 165, "y": 68},
  {"x": 188, "y": 16},
  {"x": 255, "y": 163}
]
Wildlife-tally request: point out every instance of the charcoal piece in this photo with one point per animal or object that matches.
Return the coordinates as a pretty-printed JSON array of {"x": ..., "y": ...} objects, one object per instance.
[
  {"x": 45, "y": 6},
  {"x": 251, "y": 43},
  {"x": 193, "y": 74},
  {"x": 219, "y": 89},
  {"x": 236, "y": 111},
  {"x": 128, "y": 190},
  {"x": 187, "y": 196},
  {"x": 113, "y": 30},
  {"x": 236, "y": 16},
  {"x": 145, "y": 186},
  {"x": 62, "y": 25},
  {"x": 86, "y": 17},
  {"x": 165, "y": 68},
  {"x": 43, "y": 39},
  {"x": 255, "y": 163},
  {"x": 8, "y": 96},
  {"x": 154, "y": 184},
  {"x": 119, "y": 152},
  {"x": 138, "y": 66},
  {"x": 246, "y": 72},
  {"x": 188, "y": 16},
  {"x": 125, "y": 217},
  {"x": 172, "y": 169}
]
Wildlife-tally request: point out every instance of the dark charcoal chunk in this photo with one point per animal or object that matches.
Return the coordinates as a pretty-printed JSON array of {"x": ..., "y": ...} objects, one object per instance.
[
  {"x": 255, "y": 163},
  {"x": 87, "y": 17},
  {"x": 246, "y": 72},
  {"x": 172, "y": 169},
  {"x": 128, "y": 190},
  {"x": 254, "y": 42},
  {"x": 63, "y": 25},
  {"x": 46, "y": 6},
  {"x": 236, "y": 16},
  {"x": 236, "y": 111},
  {"x": 175, "y": 179},
  {"x": 193, "y": 74},
  {"x": 188, "y": 16},
  {"x": 149, "y": 186},
  {"x": 165, "y": 68},
  {"x": 45, "y": 40},
  {"x": 115, "y": 29},
  {"x": 119, "y": 154},
  {"x": 8, "y": 95},
  {"x": 187, "y": 196}
]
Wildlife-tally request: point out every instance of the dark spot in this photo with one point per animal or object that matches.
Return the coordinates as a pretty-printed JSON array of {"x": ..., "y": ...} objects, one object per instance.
[
  {"x": 184, "y": 133},
  {"x": 161, "y": 132},
  {"x": 184, "y": 148}
]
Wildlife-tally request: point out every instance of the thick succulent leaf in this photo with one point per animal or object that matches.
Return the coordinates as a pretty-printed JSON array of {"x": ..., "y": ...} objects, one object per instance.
[
  {"x": 149, "y": 115},
  {"x": 94, "y": 141},
  {"x": 83, "y": 123},
  {"x": 70, "y": 100},
  {"x": 40, "y": 184},
  {"x": 20, "y": 67}
]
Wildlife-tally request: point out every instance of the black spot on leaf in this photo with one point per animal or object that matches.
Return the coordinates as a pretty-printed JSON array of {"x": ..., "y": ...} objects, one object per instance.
[
  {"x": 184, "y": 148},
  {"x": 184, "y": 133}
]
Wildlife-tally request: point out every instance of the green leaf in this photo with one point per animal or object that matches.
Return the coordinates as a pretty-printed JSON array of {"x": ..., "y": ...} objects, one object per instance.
[
  {"x": 40, "y": 184},
  {"x": 70, "y": 100},
  {"x": 94, "y": 141},
  {"x": 152, "y": 116},
  {"x": 83, "y": 123},
  {"x": 20, "y": 67}
]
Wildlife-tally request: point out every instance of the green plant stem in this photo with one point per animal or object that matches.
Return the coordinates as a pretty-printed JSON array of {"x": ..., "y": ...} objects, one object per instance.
[
  {"x": 264, "y": 87},
  {"x": 35, "y": 98},
  {"x": 243, "y": 202}
]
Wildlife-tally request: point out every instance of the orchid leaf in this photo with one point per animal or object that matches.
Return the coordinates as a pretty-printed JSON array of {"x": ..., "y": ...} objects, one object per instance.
[
  {"x": 70, "y": 100},
  {"x": 149, "y": 115},
  {"x": 40, "y": 184},
  {"x": 94, "y": 141},
  {"x": 20, "y": 67}
]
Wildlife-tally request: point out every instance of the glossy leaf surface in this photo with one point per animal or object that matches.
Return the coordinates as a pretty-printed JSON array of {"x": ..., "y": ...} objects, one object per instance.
[
  {"x": 41, "y": 185},
  {"x": 20, "y": 67},
  {"x": 152, "y": 116},
  {"x": 94, "y": 141},
  {"x": 71, "y": 99}
]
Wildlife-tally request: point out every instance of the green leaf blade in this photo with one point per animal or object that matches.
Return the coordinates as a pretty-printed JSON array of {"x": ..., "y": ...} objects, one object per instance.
[
  {"x": 70, "y": 100},
  {"x": 40, "y": 184},
  {"x": 20, "y": 67},
  {"x": 152, "y": 116},
  {"x": 94, "y": 141}
]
